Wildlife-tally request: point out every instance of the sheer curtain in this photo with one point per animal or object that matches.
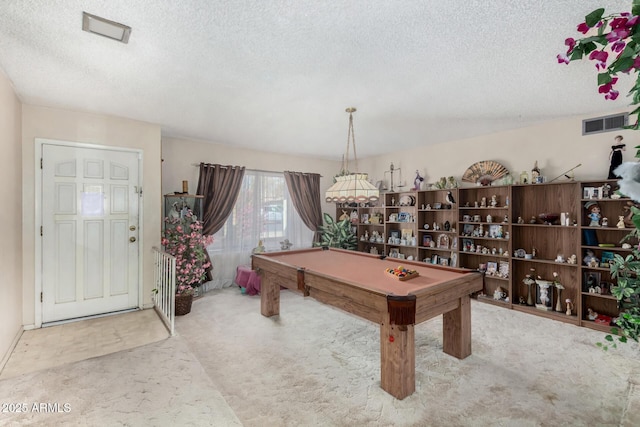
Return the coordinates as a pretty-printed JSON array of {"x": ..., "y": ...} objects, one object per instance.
[{"x": 264, "y": 211}]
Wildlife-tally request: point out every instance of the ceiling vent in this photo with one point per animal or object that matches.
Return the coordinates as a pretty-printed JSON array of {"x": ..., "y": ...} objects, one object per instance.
[
  {"x": 605, "y": 124},
  {"x": 106, "y": 28}
]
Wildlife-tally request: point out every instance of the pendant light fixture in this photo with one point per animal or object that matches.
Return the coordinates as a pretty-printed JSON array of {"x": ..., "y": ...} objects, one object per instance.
[{"x": 351, "y": 187}]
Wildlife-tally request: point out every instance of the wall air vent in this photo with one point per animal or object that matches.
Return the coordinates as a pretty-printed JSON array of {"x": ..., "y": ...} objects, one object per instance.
[{"x": 605, "y": 124}]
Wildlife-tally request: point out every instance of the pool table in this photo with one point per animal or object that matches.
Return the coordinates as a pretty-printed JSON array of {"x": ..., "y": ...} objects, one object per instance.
[{"x": 358, "y": 283}]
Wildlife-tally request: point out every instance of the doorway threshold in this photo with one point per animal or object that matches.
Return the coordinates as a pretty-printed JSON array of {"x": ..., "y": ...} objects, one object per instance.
[{"x": 93, "y": 316}]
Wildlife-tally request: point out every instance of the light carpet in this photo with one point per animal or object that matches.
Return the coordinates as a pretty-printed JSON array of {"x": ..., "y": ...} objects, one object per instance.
[{"x": 316, "y": 365}]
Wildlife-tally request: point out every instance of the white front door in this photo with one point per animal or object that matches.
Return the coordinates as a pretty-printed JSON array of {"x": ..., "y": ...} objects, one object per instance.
[{"x": 89, "y": 231}]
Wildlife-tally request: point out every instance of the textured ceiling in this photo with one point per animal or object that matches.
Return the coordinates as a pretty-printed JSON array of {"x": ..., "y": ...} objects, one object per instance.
[{"x": 277, "y": 75}]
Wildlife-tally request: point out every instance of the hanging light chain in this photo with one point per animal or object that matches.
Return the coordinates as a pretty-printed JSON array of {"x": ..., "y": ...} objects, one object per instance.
[{"x": 351, "y": 138}]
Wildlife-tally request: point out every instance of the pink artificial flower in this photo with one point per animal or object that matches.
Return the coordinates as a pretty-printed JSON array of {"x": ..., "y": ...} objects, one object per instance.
[
  {"x": 612, "y": 95},
  {"x": 618, "y": 22},
  {"x": 571, "y": 43},
  {"x": 617, "y": 34},
  {"x": 583, "y": 28},
  {"x": 562, "y": 58},
  {"x": 618, "y": 46},
  {"x": 607, "y": 88},
  {"x": 599, "y": 55}
]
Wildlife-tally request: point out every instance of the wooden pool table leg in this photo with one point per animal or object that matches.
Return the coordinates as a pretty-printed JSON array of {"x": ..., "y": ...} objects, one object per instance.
[
  {"x": 269, "y": 296},
  {"x": 397, "y": 359},
  {"x": 456, "y": 330}
]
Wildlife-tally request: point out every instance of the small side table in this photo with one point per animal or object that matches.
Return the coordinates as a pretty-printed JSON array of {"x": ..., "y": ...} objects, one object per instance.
[{"x": 248, "y": 279}]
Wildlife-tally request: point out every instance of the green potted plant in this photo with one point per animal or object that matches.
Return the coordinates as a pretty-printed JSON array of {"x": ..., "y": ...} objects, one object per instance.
[
  {"x": 183, "y": 239},
  {"x": 337, "y": 234},
  {"x": 613, "y": 43}
]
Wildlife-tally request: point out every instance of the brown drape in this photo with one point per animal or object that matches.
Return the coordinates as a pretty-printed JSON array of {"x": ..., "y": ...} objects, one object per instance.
[
  {"x": 305, "y": 194},
  {"x": 220, "y": 186}
]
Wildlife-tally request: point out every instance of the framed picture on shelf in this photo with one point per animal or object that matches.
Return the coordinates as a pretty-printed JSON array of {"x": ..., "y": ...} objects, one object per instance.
[
  {"x": 401, "y": 256},
  {"x": 395, "y": 234},
  {"x": 591, "y": 281},
  {"x": 393, "y": 217},
  {"x": 443, "y": 241},
  {"x": 407, "y": 233},
  {"x": 444, "y": 261},
  {"x": 494, "y": 230},
  {"x": 426, "y": 240},
  {"x": 393, "y": 253},
  {"x": 587, "y": 192},
  {"x": 364, "y": 218},
  {"x": 467, "y": 230},
  {"x": 403, "y": 217},
  {"x": 492, "y": 268},
  {"x": 467, "y": 245},
  {"x": 503, "y": 269},
  {"x": 605, "y": 259},
  {"x": 453, "y": 260},
  {"x": 454, "y": 244}
]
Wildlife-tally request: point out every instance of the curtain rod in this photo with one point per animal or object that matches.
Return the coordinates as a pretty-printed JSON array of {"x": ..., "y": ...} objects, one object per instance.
[{"x": 248, "y": 169}]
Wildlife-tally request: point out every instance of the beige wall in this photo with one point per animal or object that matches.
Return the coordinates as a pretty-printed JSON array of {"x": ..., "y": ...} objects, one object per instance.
[
  {"x": 556, "y": 145},
  {"x": 10, "y": 218},
  {"x": 64, "y": 125},
  {"x": 180, "y": 155}
]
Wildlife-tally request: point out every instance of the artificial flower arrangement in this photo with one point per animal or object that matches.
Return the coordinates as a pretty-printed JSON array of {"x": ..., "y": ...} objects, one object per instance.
[
  {"x": 614, "y": 44},
  {"x": 183, "y": 239}
]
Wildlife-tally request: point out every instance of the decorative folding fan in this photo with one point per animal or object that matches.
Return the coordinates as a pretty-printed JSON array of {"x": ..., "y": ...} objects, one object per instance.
[{"x": 484, "y": 172}]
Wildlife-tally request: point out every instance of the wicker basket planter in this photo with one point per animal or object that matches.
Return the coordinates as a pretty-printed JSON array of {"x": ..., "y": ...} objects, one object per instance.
[{"x": 183, "y": 304}]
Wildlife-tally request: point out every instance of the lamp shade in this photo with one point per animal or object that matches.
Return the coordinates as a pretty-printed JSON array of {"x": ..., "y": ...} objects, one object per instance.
[{"x": 352, "y": 188}]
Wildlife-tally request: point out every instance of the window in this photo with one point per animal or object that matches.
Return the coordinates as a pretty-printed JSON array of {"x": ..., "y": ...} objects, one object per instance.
[{"x": 263, "y": 211}]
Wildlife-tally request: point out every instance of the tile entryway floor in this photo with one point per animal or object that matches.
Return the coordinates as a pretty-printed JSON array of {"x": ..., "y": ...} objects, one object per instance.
[{"x": 84, "y": 339}]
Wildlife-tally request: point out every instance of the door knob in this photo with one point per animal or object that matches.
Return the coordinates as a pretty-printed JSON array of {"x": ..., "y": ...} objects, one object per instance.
[
  {"x": 132, "y": 239},
  {"x": 132, "y": 228}
]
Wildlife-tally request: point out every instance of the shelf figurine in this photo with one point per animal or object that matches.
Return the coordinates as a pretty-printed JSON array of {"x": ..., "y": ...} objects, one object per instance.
[
  {"x": 449, "y": 198},
  {"x": 594, "y": 213},
  {"x": 417, "y": 181},
  {"x": 569, "y": 306},
  {"x": 616, "y": 156},
  {"x": 536, "y": 177},
  {"x": 620, "y": 223},
  {"x": 559, "y": 288},
  {"x": 529, "y": 280}
]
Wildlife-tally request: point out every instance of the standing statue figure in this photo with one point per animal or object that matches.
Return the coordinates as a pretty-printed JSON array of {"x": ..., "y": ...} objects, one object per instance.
[
  {"x": 417, "y": 181},
  {"x": 616, "y": 157}
]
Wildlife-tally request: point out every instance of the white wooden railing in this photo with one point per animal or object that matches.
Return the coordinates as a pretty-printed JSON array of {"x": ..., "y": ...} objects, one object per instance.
[{"x": 164, "y": 279}]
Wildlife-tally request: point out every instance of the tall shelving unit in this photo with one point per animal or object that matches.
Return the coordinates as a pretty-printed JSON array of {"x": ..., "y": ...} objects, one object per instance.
[
  {"x": 438, "y": 227},
  {"x": 485, "y": 238},
  {"x": 540, "y": 240},
  {"x": 401, "y": 239},
  {"x": 602, "y": 240}
]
